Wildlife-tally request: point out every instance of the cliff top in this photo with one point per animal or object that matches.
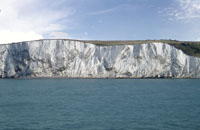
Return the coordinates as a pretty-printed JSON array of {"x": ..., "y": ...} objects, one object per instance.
[{"x": 189, "y": 47}]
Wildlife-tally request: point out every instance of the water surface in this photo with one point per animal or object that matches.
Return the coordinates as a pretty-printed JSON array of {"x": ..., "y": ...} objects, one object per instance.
[{"x": 100, "y": 104}]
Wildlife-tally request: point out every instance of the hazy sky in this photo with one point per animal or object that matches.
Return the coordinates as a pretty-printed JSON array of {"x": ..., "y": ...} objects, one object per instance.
[{"x": 99, "y": 19}]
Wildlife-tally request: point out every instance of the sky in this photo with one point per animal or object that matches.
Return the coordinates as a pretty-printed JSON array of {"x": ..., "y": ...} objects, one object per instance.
[{"x": 23, "y": 20}]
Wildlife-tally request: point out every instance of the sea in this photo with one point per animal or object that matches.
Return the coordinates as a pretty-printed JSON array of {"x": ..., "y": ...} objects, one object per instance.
[{"x": 100, "y": 104}]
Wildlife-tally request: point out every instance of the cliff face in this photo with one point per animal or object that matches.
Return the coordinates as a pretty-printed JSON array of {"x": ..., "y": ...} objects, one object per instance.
[{"x": 67, "y": 58}]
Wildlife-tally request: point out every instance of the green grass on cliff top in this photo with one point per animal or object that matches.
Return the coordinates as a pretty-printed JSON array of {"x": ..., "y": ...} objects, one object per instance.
[{"x": 191, "y": 48}]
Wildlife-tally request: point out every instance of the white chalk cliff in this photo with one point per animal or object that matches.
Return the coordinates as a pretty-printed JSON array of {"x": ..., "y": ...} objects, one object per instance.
[{"x": 68, "y": 58}]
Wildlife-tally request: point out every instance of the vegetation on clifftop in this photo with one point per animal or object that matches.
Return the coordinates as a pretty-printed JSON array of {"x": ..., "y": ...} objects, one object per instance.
[{"x": 191, "y": 48}]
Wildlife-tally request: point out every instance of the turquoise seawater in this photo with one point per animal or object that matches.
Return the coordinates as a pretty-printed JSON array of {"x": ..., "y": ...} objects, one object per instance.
[{"x": 100, "y": 104}]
